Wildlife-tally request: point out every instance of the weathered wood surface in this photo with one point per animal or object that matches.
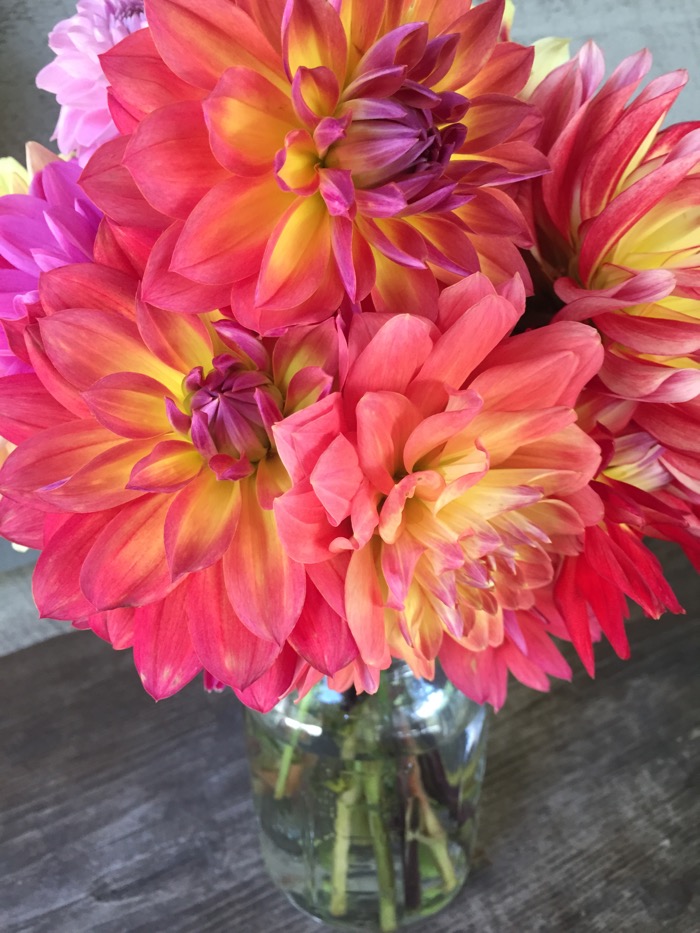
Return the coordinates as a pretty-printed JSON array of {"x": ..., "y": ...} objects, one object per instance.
[{"x": 123, "y": 816}]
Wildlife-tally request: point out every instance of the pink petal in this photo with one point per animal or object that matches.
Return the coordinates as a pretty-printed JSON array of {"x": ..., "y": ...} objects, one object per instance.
[
  {"x": 56, "y": 584},
  {"x": 168, "y": 466},
  {"x": 170, "y": 159},
  {"x": 115, "y": 346},
  {"x": 201, "y": 523},
  {"x": 265, "y": 586},
  {"x": 225, "y": 647},
  {"x": 336, "y": 478},
  {"x": 26, "y": 408},
  {"x": 303, "y": 525},
  {"x": 199, "y": 44},
  {"x": 321, "y": 636},
  {"x": 163, "y": 652},
  {"x": 248, "y": 119},
  {"x": 364, "y": 606},
  {"x": 312, "y": 37},
  {"x": 288, "y": 277},
  {"x": 275, "y": 683},
  {"x": 461, "y": 348},
  {"x": 49, "y": 458},
  {"x": 101, "y": 483},
  {"x": 381, "y": 452},
  {"x": 108, "y": 184},
  {"x": 87, "y": 285},
  {"x": 167, "y": 289},
  {"x": 139, "y": 77},
  {"x": 225, "y": 236},
  {"x": 130, "y": 404},
  {"x": 127, "y": 564},
  {"x": 391, "y": 360}
]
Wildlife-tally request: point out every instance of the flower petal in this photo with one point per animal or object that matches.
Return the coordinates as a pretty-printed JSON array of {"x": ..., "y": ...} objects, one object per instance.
[
  {"x": 164, "y": 288},
  {"x": 87, "y": 285},
  {"x": 391, "y": 360},
  {"x": 265, "y": 586},
  {"x": 248, "y": 119},
  {"x": 27, "y": 408},
  {"x": 289, "y": 275},
  {"x": 56, "y": 584},
  {"x": 181, "y": 341},
  {"x": 115, "y": 346},
  {"x": 49, "y": 458},
  {"x": 140, "y": 79},
  {"x": 364, "y": 606},
  {"x": 275, "y": 683},
  {"x": 163, "y": 652},
  {"x": 313, "y": 37},
  {"x": 168, "y": 467},
  {"x": 224, "y": 645},
  {"x": 461, "y": 348},
  {"x": 127, "y": 564},
  {"x": 171, "y": 161},
  {"x": 198, "y": 44},
  {"x": 201, "y": 523},
  {"x": 130, "y": 404},
  {"x": 321, "y": 636},
  {"x": 101, "y": 483},
  {"x": 109, "y": 185},
  {"x": 225, "y": 236}
]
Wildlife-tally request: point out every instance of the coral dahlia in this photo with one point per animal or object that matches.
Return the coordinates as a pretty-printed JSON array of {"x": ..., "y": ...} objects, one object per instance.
[
  {"x": 313, "y": 150},
  {"x": 445, "y": 523},
  {"x": 152, "y": 459}
]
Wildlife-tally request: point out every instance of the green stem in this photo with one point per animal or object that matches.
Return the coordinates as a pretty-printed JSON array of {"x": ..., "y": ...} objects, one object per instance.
[
  {"x": 347, "y": 801},
  {"x": 382, "y": 848},
  {"x": 287, "y": 756},
  {"x": 432, "y": 833}
]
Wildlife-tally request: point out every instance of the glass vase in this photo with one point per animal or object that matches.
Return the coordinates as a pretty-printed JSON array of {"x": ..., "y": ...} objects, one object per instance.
[{"x": 368, "y": 804}]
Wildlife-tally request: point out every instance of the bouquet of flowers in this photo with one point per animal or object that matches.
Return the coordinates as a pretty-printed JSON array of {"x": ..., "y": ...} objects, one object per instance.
[{"x": 344, "y": 332}]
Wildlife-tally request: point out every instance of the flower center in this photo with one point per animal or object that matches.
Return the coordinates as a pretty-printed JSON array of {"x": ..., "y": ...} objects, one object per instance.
[
  {"x": 386, "y": 126},
  {"x": 231, "y": 409},
  {"x": 126, "y": 9},
  {"x": 416, "y": 141}
]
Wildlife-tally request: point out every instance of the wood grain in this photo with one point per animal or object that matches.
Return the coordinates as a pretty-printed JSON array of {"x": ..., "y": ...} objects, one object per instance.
[{"x": 123, "y": 815}]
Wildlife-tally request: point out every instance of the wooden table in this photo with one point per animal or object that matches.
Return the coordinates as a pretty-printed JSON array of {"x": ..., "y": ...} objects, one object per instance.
[{"x": 123, "y": 816}]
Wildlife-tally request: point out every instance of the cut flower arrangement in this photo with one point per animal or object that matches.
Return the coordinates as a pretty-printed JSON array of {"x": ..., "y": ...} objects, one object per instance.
[{"x": 351, "y": 356}]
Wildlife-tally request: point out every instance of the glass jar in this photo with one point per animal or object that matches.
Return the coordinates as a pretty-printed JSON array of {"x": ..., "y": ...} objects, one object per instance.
[{"x": 368, "y": 804}]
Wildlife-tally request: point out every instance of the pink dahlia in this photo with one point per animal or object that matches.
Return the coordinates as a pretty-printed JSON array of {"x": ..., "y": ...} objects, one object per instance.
[
  {"x": 435, "y": 534},
  {"x": 51, "y": 224},
  {"x": 305, "y": 152},
  {"x": 144, "y": 440},
  {"x": 75, "y": 76},
  {"x": 617, "y": 224}
]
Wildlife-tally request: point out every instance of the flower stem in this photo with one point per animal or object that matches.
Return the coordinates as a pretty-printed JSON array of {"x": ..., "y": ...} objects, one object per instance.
[
  {"x": 347, "y": 801},
  {"x": 382, "y": 848},
  {"x": 431, "y": 832},
  {"x": 287, "y": 756}
]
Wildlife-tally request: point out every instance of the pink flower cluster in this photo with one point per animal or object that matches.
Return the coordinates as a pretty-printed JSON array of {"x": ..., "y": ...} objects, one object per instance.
[
  {"x": 352, "y": 342},
  {"x": 75, "y": 76}
]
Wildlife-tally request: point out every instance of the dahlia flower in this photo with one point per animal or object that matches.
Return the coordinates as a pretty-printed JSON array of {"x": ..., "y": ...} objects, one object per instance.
[
  {"x": 145, "y": 438},
  {"x": 617, "y": 231},
  {"x": 437, "y": 532},
  {"x": 44, "y": 223},
  {"x": 75, "y": 75},
  {"x": 317, "y": 150}
]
